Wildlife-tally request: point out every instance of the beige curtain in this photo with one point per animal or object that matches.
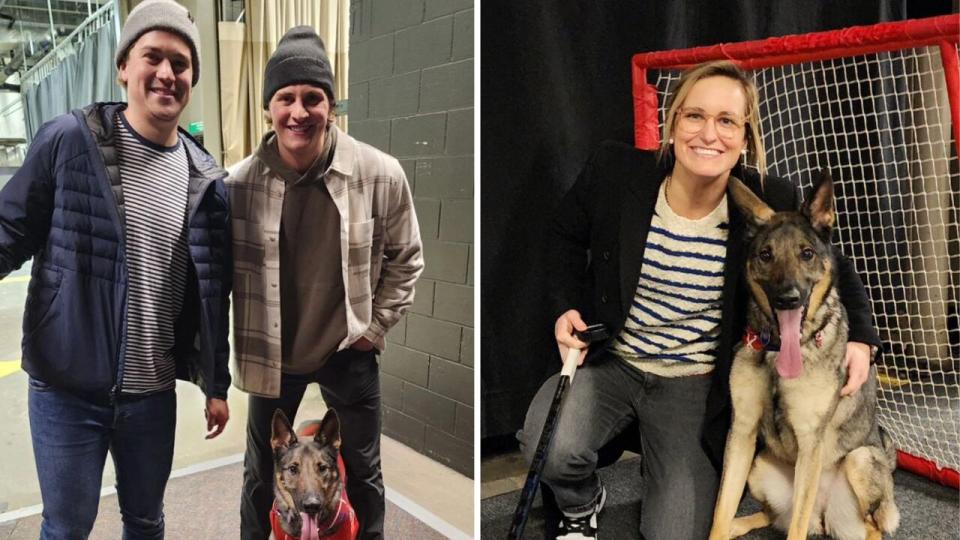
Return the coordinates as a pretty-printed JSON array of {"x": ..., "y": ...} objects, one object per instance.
[
  {"x": 245, "y": 48},
  {"x": 233, "y": 93}
]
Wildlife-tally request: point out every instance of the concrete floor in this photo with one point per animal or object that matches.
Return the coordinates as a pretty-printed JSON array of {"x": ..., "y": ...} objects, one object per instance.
[
  {"x": 438, "y": 495},
  {"x": 207, "y": 505},
  {"x": 434, "y": 492}
]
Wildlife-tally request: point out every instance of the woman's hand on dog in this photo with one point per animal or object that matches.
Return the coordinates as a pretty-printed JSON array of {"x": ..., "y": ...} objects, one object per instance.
[
  {"x": 857, "y": 363},
  {"x": 563, "y": 331},
  {"x": 217, "y": 413}
]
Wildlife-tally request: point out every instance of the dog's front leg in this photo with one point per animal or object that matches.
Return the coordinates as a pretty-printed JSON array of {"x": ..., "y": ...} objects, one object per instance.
[
  {"x": 806, "y": 480},
  {"x": 741, "y": 443},
  {"x": 747, "y": 391}
]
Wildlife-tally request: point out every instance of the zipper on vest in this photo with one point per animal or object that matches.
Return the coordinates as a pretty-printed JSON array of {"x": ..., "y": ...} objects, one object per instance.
[{"x": 122, "y": 331}]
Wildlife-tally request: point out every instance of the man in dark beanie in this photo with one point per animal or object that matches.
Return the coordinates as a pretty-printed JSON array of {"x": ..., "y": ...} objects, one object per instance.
[
  {"x": 300, "y": 56},
  {"x": 327, "y": 251},
  {"x": 127, "y": 221}
]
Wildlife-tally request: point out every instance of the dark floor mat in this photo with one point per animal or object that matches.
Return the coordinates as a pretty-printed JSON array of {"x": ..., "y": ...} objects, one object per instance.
[{"x": 928, "y": 511}]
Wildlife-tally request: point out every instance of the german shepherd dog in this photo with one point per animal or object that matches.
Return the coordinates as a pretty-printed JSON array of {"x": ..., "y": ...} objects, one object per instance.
[
  {"x": 310, "y": 481},
  {"x": 826, "y": 466}
]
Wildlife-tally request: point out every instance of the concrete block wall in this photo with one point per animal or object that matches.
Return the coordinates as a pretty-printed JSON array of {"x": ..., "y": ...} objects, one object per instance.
[{"x": 411, "y": 95}]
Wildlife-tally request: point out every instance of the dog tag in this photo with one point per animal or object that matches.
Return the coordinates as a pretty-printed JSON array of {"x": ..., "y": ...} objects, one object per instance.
[{"x": 751, "y": 339}]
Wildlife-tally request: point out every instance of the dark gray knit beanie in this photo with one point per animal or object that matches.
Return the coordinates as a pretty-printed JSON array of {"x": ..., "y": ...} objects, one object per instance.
[
  {"x": 300, "y": 58},
  {"x": 160, "y": 15}
]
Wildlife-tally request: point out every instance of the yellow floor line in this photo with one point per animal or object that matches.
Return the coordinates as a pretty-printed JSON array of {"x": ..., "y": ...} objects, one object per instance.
[
  {"x": 9, "y": 367},
  {"x": 15, "y": 279},
  {"x": 889, "y": 381}
]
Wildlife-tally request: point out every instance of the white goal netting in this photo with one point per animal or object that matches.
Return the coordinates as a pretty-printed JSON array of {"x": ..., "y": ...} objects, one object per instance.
[{"x": 881, "y": 123}]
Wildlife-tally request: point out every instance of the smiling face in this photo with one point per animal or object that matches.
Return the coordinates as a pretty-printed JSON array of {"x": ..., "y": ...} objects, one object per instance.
[
  {"x": 300, "y": 114},
  {"x": 709, "y": 130},
  {"x": 157, "y": 74}
]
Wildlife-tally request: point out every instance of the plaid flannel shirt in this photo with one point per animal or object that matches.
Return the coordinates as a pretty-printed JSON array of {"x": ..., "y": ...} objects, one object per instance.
[{"x": 379, "y": 240}]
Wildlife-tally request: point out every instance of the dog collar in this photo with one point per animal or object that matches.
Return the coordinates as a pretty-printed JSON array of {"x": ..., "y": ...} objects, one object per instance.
[
  {"x": 344, "y": 515},
  {"x": 326, "y": 528},
  {"x": 761, "y": 341},
  {"x": 764, "y": 341},
  {"x": 335, "y": 520}
]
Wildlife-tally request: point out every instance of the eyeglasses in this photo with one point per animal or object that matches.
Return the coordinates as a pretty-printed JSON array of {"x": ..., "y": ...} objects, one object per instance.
[{"x": 693, "y": 120}]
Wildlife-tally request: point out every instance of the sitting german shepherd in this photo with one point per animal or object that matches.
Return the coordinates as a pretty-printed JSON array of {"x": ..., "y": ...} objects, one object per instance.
[
  {"x": 310, "y": 482},
  {"x": 826, "y": 466}
]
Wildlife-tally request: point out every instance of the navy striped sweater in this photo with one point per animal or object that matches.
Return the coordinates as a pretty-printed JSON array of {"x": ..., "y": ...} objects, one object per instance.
[{"x": 673, "y": 327}]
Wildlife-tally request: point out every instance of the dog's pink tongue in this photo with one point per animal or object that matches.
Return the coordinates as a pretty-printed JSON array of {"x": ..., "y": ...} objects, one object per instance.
[
  {"x": 789, "y": 365},
  {"x": 310, "y": 529}
]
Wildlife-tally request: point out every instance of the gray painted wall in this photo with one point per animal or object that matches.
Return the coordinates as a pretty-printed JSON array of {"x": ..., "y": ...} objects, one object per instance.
[{"x": 411, "y": 95}]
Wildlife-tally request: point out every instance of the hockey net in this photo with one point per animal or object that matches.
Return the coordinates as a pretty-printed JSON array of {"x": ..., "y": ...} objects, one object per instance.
[{"x": 880, "y": 107}]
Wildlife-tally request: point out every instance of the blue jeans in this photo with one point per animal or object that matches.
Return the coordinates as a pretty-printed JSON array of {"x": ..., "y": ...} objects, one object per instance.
[{"x": 71, "y": 436}]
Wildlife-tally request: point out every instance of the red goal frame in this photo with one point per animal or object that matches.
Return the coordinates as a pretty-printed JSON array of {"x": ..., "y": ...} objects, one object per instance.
[{"x": 943, "y": 31}]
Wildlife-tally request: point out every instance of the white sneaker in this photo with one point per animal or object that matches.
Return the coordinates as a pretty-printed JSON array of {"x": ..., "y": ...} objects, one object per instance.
[{"x": 582, "y": 525}]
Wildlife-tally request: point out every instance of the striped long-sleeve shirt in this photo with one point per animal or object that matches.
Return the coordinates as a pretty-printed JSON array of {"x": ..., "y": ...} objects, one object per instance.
[
  {"x": 154, "y": 181},
  {"x": 673, "y": 326}
]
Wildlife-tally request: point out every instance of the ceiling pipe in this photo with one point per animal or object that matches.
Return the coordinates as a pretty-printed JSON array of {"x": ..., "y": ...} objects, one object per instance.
[
  {"x": 53, "y": 30},
  {"x": 43, "y": 9}
]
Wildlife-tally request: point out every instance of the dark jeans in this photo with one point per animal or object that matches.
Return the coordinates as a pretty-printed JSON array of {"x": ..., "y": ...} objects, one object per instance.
[
  {"x": 607, "y": 395},
  {"x": 350, "y": 383},
  {"x": 71, "y": 436}
]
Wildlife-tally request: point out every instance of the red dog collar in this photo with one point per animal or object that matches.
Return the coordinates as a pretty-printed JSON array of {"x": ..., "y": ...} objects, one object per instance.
[
  {"x": 752, "y": 339},
  {"x": 342, "y": 526},
  {"x": 762, "y": 341}
]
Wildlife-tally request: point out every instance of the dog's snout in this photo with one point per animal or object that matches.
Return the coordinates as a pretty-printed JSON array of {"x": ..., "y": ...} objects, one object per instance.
[
  {"x": 787, "y": 299},
  {"x": 312, "y": 505}
]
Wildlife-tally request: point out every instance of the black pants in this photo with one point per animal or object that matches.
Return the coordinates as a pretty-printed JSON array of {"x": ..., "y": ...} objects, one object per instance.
[{"x": 349, "y": 383}]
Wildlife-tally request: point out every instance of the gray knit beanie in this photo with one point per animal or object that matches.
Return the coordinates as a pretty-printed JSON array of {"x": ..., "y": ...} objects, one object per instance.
[
  {"x": 300, "y": 58},
  {"x": 160, "y": 15}
]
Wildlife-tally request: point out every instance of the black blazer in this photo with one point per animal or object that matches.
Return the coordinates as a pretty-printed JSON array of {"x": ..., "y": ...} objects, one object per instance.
[{"x": 597, "y": 243}]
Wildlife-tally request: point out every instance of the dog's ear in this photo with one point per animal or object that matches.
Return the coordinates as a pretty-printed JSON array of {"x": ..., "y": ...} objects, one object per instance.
[
  {"x": 282, "y": 434},
  {"x": 818, "y": 207},
  {"x": 754, "y": 210},
  {"x": 329, "y": 432}
]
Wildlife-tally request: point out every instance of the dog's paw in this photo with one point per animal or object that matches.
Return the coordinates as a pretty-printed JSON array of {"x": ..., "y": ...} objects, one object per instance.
[
  {"x": 887, "y": 517},
  {"x": 742, "y": 525}
]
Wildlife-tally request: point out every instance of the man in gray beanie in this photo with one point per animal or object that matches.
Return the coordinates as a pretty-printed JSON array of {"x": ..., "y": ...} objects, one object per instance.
[
  {"x": 123, "y": 214},
  {"x": 165, "y": 15},
  {"x": 321, "y": 272}
]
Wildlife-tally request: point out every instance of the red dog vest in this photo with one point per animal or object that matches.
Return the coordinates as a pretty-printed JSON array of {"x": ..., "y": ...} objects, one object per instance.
[{"x": 342, "y": 525}]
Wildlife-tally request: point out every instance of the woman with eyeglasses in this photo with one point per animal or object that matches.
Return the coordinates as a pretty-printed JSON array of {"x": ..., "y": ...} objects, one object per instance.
[{"x": 647, "y": 244}]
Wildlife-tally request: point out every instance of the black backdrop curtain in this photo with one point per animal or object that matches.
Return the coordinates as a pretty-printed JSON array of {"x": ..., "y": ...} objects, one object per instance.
[{"x": 555, "y": 81}]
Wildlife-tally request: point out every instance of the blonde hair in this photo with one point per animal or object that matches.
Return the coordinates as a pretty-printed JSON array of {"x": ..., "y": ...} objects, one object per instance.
[{"x": 721, "y": 68}]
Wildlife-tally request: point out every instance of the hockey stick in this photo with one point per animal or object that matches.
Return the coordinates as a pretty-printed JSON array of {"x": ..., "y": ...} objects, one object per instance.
[{"x": 593, "y": 333}]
